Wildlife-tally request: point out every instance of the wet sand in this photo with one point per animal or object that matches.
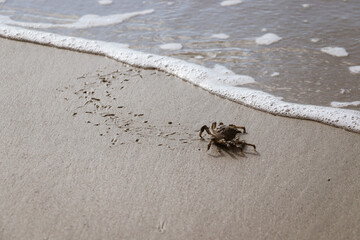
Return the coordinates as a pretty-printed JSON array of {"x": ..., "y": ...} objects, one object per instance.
[{"x": 95, "y": 149}]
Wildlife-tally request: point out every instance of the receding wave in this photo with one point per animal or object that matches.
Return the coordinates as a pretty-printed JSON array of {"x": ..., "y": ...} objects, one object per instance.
[
  {"x": 217, "y": 80},
  {"x": 86, "y": 21}
]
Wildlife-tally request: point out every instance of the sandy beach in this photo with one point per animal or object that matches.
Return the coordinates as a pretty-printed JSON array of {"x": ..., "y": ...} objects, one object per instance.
[{"x": 95, "y": 149}]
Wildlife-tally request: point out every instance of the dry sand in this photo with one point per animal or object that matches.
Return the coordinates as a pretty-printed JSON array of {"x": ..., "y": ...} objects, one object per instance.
[{"x": 94, "y": 149}]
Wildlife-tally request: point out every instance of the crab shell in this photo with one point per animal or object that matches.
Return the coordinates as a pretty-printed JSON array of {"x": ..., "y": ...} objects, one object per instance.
[{"x": 226, "y": 132}]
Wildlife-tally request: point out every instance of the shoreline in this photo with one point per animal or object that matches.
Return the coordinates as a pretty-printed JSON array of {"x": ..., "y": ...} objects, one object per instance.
[
  {"x": 205, "y": 78},
  {"x": 212, "y": 93},
  {"x": 135, "y": 167}
]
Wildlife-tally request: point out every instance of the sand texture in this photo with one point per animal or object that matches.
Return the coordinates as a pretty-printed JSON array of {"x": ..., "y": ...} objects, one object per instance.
[{"x": 95, "y": 149}]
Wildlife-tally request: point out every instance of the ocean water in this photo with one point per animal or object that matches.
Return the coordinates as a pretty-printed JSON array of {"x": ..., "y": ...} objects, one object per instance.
[{"x": 293, "y": 58}]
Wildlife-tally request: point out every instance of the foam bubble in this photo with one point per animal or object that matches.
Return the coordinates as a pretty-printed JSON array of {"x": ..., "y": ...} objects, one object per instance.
[
  {"x": 211, "y": 80},
  {"x": 345, "y": 104},
  {"x": 171, "y": 46},
  {"x": 344, "y": 91},
  {"x": 354, "y": 69},
  {"x": 228, "y": 77},
  {"x": 275, "y": 74},
  {"x": 220, "y": 36},
  {"x": 335, "y": 51},
  {"x": 211, "y": 54},
  {"x": 305, "y": 5},
  {"x": 86, "y": 21},
  {"x": 314, "y": 40},
  {"x": 230, "y": 3},
  {"x": 105, "y": 2},
  {"x": 267, "y": 39}
]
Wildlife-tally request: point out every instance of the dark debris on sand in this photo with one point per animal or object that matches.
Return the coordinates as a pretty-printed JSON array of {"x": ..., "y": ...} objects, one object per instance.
[{"x": 99, "y": 98}]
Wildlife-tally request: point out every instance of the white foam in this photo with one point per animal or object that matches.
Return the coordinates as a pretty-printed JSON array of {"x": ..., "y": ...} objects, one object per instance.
[
  {"x": 314, "y": 40},
  {"x": 2, "y": 1},
  {"x": 231, "y": 79},
  {"x": 86, "y": 21},
  {"x": 345, "y": 104},
  {"x": 220, "y": 36},
  {"x": 105, "y": 2},
  {"x": 267, "y": 39},
  {"x": 305, "y": 5},
  {"x": 335, "y": 51},
  {"x": 230, "y": 3},
  {"x": 275, "y": 74},
  {"x": 209, "y": 79},
  {"x": 211, "y": 54},
  {"x": 354, "y": 69},
  {"x": 171, "y": 46},
  {"x": 344, "y": 91}
]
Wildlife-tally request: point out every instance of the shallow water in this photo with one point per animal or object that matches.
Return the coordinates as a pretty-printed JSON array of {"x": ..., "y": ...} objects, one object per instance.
[{"x": 293, "y": 68}]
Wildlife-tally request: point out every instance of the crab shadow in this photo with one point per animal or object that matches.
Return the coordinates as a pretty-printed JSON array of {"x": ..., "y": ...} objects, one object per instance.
[{"x": 233, "y": 152}]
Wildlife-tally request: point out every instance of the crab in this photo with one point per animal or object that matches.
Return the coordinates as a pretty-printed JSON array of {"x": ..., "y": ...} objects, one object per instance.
[{"x": 226, "y": 135}]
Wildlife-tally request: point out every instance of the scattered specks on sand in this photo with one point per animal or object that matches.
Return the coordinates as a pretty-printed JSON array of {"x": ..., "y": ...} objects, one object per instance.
[{"x": 98, "y": 99}]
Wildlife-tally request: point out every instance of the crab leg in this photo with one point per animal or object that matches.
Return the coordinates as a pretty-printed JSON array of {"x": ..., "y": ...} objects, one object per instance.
[
  {"x": 221, "y": 141},
  {"x": 205, "y": 128},
  {"x": 209, "y": 145},
  {"x": 213, "y": 126},
  {"x": 243, "y": 128},
  {"x": 251, "y": 145},
  {"x": 224, "y": 142},
  {"x": 243, "y": 143}
]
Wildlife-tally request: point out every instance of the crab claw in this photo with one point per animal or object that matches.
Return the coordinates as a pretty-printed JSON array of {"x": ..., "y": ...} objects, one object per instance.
[
  {"x": 209, "y": 145},
  {"x": 204, "y": 128},
  {"x": 201, "y": 130}
]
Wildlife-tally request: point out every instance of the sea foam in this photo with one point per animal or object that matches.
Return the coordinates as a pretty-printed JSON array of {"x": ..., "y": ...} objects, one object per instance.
[
  {"x": 86, "y": 21},
  {"x": 335, "y": 51},
  {"x": 220, "y": 36},
  {"x": 105, "y": 2},
  {"x": 209, "y": 79},
  {"x": 314, "y": 40},
  {"x": 171, "y": 46},
  {"x": 267, "y": 39},
  {"x": 345, "y": 104},
  {"x": 230, "y": 3},
  {"x": 354, "y": 69},
  {"x": 231, "y": 78}
]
